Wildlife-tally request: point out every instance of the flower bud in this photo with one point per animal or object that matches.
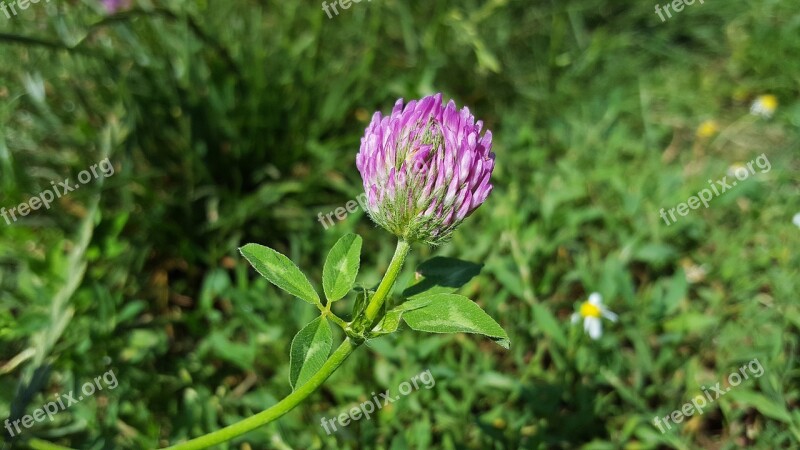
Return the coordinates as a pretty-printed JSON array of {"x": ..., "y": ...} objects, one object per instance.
[{"x": 426, "y": 167}]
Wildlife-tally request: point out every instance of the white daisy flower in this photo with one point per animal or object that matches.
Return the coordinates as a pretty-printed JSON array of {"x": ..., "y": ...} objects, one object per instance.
[
  {"x": 695, "y": 273},
  {"x": 764, "y": 106},
  {"x": 591, "y": 311},
  {"x": 734, "y": 167},
  {"x": 796, "y": 219}
]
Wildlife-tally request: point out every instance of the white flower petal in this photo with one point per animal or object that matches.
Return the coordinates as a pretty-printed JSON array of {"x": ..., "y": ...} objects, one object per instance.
[
  {"x": 761, "y": 107},
  {"x": 595, "y": 299},
  {"x": 796, "y": 219},
  {"x": 594, "y": 327},
  {"x": 575, "y": 318},
  {"x": 608, "y": 314}
]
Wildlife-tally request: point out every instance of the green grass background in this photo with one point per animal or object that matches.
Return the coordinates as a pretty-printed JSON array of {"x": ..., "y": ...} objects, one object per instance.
[{"x": 235, "y": 122}]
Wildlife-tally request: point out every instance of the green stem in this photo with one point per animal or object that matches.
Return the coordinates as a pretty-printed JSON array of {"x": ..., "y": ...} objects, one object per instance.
[
  {"x": 276, "y": 411},
  {"x": 374, "y": 307},
  {"x": 295, "y": 398},
  {"x": 330, "y": 366},
  {"x": 336, "y": 319},
  {"x": 38, "y": 444}
]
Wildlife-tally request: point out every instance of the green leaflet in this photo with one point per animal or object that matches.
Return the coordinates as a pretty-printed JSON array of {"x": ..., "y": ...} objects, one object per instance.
[
  {"x": 310, "y": 348},
  {"x": 280, "y": 271},
  {"x": 341, "y": 267},
  {"x": 452, "y": 313},
  {"x": 442, "y": 275}
]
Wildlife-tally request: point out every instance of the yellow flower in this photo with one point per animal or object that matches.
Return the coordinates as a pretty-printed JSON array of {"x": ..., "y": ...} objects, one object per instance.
[
  {"x": 592, "y": 311},
  {"x": 707, "y": 129},
  {"x": 764, "y": 106}
]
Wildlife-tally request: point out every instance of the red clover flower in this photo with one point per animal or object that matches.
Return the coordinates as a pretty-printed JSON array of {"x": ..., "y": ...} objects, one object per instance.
[{"x": 426, "y": 167}]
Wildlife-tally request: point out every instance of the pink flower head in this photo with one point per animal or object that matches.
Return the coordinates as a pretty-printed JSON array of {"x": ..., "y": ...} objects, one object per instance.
[
  {"x": 113, "y": 6},
  {"x": 426, "y": 167}
]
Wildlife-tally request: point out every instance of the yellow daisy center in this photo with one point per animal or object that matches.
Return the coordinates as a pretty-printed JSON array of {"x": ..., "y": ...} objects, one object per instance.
[
  {"x": 770, "y": 102},
  {"x": 707, "y": 129},
  {"x": 590, "y": 310}
]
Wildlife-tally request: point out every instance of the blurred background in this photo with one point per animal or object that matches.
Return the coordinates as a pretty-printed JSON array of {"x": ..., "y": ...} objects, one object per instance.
[{"x": 234, "y": 122}]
